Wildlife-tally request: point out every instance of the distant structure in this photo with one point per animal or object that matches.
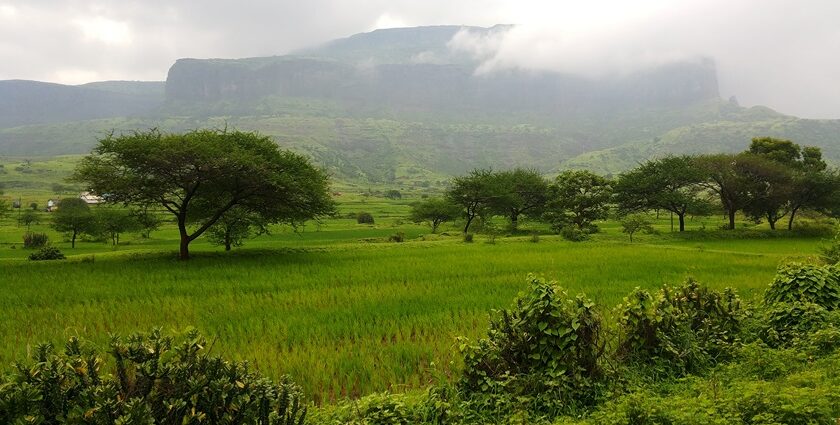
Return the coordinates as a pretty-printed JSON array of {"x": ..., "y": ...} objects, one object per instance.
[
  {"x": 50, "y": 205},
  {"x": 90, "y": 198}
]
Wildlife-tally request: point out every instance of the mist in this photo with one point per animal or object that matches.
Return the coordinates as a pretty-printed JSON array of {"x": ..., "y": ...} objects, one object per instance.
[{"x": 774, "y": 53}]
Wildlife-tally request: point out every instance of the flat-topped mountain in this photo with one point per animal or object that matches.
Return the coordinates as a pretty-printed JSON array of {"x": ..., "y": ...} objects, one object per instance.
[{"x": 403, "y": 104}]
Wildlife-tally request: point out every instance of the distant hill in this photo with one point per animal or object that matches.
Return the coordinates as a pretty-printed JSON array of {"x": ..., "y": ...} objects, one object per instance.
[
  {"x": 32, "y": 102},
  {"x": 400, "y": 105}
]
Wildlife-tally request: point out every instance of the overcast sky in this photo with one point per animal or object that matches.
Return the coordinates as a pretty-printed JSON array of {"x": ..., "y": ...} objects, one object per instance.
[{"x": 779, "y": 53}]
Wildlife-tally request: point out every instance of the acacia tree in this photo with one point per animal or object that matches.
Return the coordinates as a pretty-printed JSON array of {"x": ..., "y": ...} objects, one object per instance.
[
  {"x": 474, "y": 194},
  {"x": 519, "y": 192},
  {"x": 768, "y": 187},
  {"x": 721, "y": 176},
  {"x": 435, "y": 211},
  {"x": 236, "y": 226},
  {"x": 200, "y": 175},
  {"x": 671, "y": 183},
  {"x": 578, "y": 197},
  {"x": 74, "y": 218}
]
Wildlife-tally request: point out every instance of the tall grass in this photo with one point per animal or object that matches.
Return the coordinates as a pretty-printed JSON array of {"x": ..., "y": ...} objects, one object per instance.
[{"x": 345, "y": 319}]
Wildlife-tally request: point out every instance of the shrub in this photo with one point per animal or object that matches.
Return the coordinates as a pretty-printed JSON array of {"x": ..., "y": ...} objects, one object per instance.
[
  {"x": 573, "y": 234},
  {"x": 535, "y": 237},
  {"x": 680, "y": 330},
  {"x": 155, "y": 380},
  {"x": 364, "y": 218},
  {"x": 397, "y": 237},
  {"x": 805, "y": 283},
  {"x": 47, "y": 253},
  {"x": 831, "y": 252},
  {"x": 468, "y": 237},
  {"x": 547, "y": 346},
  {"x": 35, "y": 240}
]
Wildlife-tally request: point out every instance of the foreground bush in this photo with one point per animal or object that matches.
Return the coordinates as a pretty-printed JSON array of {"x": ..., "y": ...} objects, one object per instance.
[
  {"x": 154, "y": 381},
  {"x": 547, "y": 346},
  {"x": 679, "y": 330}
]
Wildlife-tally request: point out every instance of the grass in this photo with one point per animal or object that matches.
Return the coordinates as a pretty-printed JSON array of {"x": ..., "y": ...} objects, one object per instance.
[{"x": 343, "y": 315}]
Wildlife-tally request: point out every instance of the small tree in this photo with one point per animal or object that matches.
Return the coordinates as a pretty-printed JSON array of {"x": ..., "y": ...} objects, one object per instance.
[
  {"x": 147, "y": 221},
  {"x": 364, "y": 218},
  {"x": 474, "y": 194},
  {"x": 115, "y": 221},
  {"x": 578, "y": 198},
  {"x": 74, "y": 218},
  {"x": 393, "y": 194},
  {"x": 236, "y": 226},
  {"x": 519, "y": 192},
  {"x": 28, "y": 218},
  {"x": 721, "y": 177},
  {"x": 435, "y": 211},
  {"x": 671, "y": 183},
  {"x": 33, "y": 206},
  {"x": 633, "y": 223}
]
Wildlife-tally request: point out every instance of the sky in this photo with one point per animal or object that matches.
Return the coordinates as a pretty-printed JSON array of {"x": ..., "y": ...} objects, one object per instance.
[{"x": 777, "y": 53}]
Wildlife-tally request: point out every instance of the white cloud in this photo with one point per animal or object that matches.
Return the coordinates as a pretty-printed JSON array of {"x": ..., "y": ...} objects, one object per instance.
[{"x": 104, "y": 30}]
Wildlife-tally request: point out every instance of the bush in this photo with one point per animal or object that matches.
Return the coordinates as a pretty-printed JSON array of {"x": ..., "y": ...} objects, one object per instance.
[
  {"x": 831, "y": 252},
  {"x": 680, "y": 330},
  {"x": 805, "y": 283},
  {"x": 364, "y": 218},
  {"x": 535, "y": 237},
  {"x": 397, "y": 237},
  {"x": 47, "y": 253},
  {"x": 573, "y": 234},
  {"x": 547, "y": 347},
  {"x": 468, "y": 237},
  {"x": 154, "y": 380},
  {"x": 35, "y": 240}
]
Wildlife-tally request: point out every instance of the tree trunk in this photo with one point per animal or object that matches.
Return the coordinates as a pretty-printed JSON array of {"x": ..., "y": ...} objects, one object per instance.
[
  {"x": 514, "y": 221},
  {"x": 682, "y": 221},
  {"x": 790, "y": 220},
  {"x": 731, "y": 213},
  {"x": 73, "y": 240},
  {"x": 772, "y": 224},
  {"x": 185, "y": 239},
  {"x": 467, "y": 226},
  {"x": 227, "y": 242}
]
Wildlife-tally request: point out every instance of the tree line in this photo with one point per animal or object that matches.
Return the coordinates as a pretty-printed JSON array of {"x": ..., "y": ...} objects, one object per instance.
[{"x": 774, "y": 179}]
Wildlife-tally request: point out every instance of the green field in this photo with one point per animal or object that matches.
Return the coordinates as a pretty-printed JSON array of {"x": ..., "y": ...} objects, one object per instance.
[{"x": 335, "y": 305}]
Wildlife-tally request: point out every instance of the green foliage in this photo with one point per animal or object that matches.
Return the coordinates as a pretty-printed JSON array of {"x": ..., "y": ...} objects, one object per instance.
[
  {"x": 29, "y": 218},
  {"x": 671, "y": 183},
  {"x": 805, "y": 283},
  {"x": 474, "y": 194},
  {"x": 831, "y": 252},
  {"x": 578, "y": 198},
  {"x": 397, "y": 237},
  {"x": 114, "y": 221},
  {"x": 681, "y": 330},
  {"x": 548, "y": 347},
  {"x": 155, "y": 380},
  {"x": 519, "y": 192},
  {"x": 435, "y": 211},
  {"x": 235, "y": 226},
  {"x": 199, "y": 175},
  {"x": 573, "y": 234},
  {"x": 468, "y": 237},
  {"x": 47, "y": 253},
  {"x": 35, "y": 240},
  {"x": 74, "y": 218},
  {"x": 393, "y": 194},
  {"x": 364, "y": 218},
  {"x": 634, "y": 223}
]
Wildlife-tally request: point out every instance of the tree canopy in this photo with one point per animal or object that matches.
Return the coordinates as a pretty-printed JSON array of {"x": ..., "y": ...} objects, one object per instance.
[{"x": 200, "y": 175}]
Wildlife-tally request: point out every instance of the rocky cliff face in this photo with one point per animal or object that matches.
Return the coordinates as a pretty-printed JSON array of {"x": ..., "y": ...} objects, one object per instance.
[{"x": 381, "y": 76}]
